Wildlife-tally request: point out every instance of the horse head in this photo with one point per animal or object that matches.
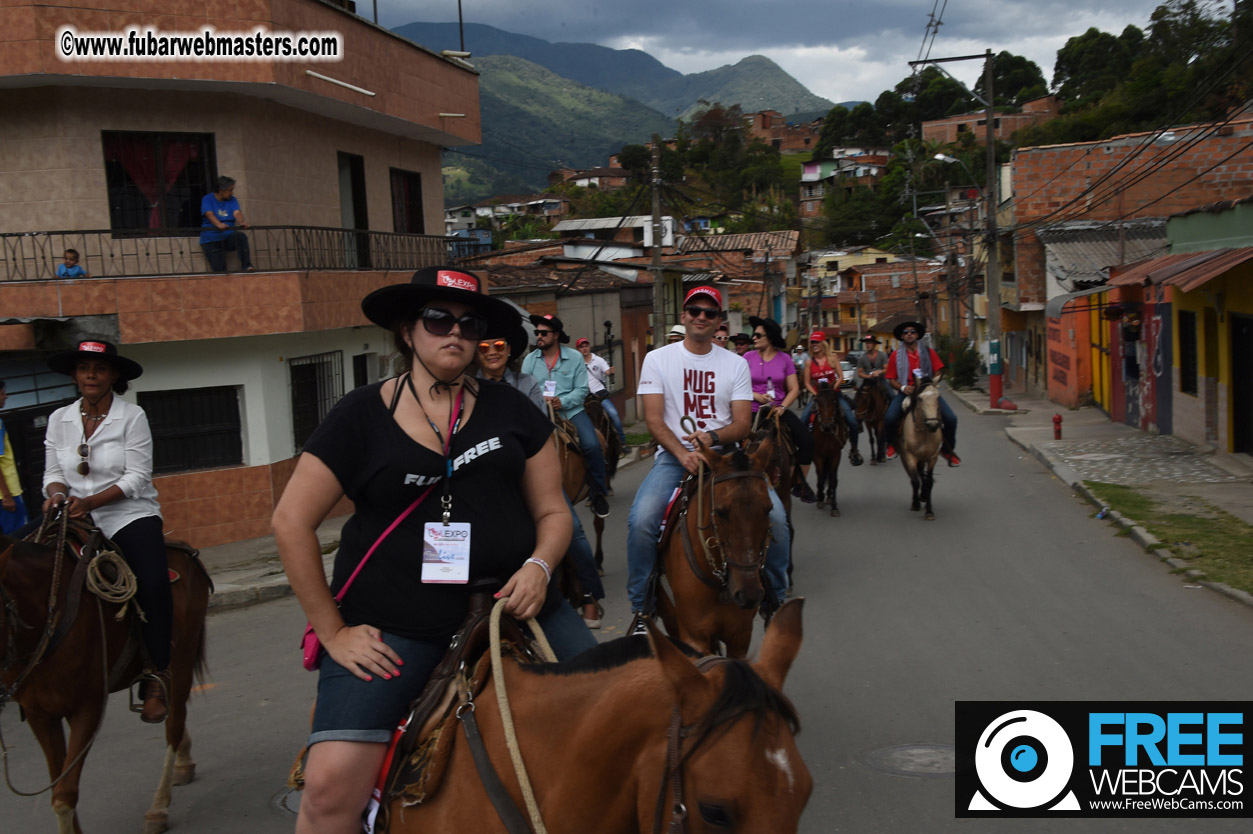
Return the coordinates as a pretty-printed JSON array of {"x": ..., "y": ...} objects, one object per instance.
[
  {"x": 740, "y": 766},
  {"x": 826, "y": 407},
  {"x": 927, "y": 404},
  {"x": 739, "y": 517}
]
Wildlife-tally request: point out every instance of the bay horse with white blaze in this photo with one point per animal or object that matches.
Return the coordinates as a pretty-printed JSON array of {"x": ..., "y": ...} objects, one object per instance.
[
  {"x": 920, "y": 441},
  {"x": 633, "y": 737},
  {"x": 869, "y": 406},
  {"x": 830, "y": 433},
  {"x": 58, "y": 674},
  {"x": 714, "y": 556}
]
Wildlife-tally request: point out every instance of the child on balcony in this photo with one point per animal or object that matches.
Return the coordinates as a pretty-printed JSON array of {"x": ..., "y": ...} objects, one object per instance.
[{"x": 71, "y": 269}]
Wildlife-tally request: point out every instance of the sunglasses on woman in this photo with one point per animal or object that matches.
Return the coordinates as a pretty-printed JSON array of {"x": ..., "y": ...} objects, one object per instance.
[
  {"x": 84, "y": 468},
  {"x": 440, "y": 323},
  {"x": 499, "y": 344}
]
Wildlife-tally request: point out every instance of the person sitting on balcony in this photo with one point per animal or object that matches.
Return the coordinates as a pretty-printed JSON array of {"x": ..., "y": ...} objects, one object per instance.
[
  {"x": 221, "y": 219},
  {"x": 71, "y": 269}
]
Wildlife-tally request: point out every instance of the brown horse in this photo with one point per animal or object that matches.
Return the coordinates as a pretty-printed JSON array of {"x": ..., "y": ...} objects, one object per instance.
[
  {"x": 869, "y": 406},
  {"x": 632, "y": 736},
  {"x": 70, "y": 681},
  {"x": 920, "y": 441},
  {"x": 830, "y": 433},
  {"x": 574, "y": 479},
  {"x": 713, "y": 559},
  {"x": 783, "y": 469}
]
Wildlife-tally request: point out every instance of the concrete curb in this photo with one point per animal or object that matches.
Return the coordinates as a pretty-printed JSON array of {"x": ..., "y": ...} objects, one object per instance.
[{"x": 1147, "y": 541}]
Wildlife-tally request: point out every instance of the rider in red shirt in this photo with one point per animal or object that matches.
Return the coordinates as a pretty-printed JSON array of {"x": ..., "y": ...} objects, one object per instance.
[{"x": 917, "y": 358}]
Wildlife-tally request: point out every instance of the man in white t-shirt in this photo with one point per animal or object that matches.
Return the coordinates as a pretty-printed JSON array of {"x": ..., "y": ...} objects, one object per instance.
[
  {"x": 597, "y": 370},
  {"x": 711, "y": 386}
]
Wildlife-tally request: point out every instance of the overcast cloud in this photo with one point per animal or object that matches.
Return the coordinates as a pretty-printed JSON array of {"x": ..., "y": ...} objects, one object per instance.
[{"x": 840, "y": 50}]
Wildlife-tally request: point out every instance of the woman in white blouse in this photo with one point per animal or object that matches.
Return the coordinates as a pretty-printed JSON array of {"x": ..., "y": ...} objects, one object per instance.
[{"x": 98, "y": 461}]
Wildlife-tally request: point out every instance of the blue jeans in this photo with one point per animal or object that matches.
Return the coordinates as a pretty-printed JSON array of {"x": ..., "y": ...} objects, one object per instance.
[
  {"x": 612, "y": 411},
  {"x": 854, "y": 428},
  {"x": 11, "y": 522},
  {"x": 582, "y": 561},
  {"x": 592, "y": 455},
  {"x": 644, "y": 525},
  {"x": 215, "y": 251},
  {"x": 892, "y": 422}
]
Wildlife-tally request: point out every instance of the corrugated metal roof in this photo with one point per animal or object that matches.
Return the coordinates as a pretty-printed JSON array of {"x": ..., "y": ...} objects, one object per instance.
[
  {"x": 1080, "y": 253},
  {"x": 1188, "y": 270},
  {"x": 634, "y": 222},
  {"x": 780, "y": 243}
]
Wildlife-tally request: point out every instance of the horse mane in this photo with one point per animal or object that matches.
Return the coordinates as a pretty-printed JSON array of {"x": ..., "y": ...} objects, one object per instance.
[
  {"x": 743, "y": 690},
  {"x": 739, "y": 460},
  {"x": 605, "y": 656}
]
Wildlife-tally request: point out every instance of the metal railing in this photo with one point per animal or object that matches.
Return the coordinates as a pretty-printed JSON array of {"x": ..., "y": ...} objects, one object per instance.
[{"x": 118, "y": 253}]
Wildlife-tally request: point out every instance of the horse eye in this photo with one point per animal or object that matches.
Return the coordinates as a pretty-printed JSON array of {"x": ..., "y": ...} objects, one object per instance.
[
  {"x": 717, "y": 815},
  {"x": 723, "y": 514}
]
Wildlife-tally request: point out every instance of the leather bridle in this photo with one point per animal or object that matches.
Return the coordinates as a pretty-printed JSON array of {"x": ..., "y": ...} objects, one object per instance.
[{"x": 712, "y": 544}]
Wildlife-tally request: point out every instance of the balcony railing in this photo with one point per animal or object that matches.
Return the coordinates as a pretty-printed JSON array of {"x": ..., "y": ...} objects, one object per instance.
[{"x": 118, "y": 253}]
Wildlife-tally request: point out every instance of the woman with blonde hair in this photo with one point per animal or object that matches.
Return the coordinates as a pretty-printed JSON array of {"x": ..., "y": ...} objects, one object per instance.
[{"x": 819, "y": 369}]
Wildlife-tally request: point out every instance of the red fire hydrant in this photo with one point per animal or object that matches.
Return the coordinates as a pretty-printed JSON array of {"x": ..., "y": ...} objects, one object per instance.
[{"x": 1057, "y": 427}]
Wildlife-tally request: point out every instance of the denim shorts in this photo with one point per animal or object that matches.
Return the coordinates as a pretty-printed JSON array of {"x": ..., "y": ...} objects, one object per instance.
[{"x": 351, "y": 709}]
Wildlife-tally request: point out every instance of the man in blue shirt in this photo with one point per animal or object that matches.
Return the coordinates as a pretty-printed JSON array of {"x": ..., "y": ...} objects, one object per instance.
[
  {"x": 562, "y": 373},
  {"x": 221, "y": 218}
]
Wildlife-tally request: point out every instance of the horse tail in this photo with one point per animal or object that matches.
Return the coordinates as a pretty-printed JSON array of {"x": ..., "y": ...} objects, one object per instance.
[{"x": 200, "y": 663}]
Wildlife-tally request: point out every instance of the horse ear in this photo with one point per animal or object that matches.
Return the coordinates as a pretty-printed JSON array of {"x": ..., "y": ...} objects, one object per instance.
[
  {"x": 678, "y": 667},
  {"x": 781, "y": 643},
  {"x": 761, "y": 456}
]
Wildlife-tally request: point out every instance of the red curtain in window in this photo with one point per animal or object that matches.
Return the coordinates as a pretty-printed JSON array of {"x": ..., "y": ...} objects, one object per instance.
[
  {"x": 137, "y": 157},
  {"x": 178, "y": 152}
]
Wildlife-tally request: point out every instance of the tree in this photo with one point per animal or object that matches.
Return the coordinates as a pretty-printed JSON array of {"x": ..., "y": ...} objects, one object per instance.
[
  {"x": 1015, "y": 79},
  {"x": 1093, "y": 64},
  {"x": 834, "y": 132},
  {"x": 1180, "y": 31},
  {"x": 934, "y": 95}
]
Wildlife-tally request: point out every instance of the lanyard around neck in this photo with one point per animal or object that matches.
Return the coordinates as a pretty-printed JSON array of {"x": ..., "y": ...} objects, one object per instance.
[{"x": 454, "y": 423}]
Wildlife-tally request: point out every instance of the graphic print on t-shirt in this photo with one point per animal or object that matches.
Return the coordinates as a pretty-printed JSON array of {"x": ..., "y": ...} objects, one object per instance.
[{"x": 699, "y": 391}]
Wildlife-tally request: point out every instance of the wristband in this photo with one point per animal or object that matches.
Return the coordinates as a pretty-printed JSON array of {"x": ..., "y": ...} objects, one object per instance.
[
  {"x": 55, "y": 494},
  {"x": 713, "y": 438},
  {"x": 548, "y": 572}
]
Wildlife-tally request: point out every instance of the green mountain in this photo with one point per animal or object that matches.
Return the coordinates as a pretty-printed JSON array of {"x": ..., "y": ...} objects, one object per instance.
[
  {"x": 755, "y": 83},
  {"x": 534, "y": 122}
]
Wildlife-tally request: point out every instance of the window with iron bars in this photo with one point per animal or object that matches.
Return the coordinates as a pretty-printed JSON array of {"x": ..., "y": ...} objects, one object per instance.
[
  {"x": 193, "y": 428},
  {"x": 317, "y": 383}
]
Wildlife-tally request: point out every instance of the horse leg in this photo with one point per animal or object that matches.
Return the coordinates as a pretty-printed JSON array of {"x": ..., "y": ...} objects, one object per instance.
[
  {"x": 184, "y": 764},
  {"x": 598, "y": 524},
  {"x": 915, "y": 482},
  {"x": 820, "y": 476},
  {"x": 834, "y": 476},
  {"x": 83, "y": 725},
  {"x": 50, "y": 734},
  {"x": 928, "y": 480}
]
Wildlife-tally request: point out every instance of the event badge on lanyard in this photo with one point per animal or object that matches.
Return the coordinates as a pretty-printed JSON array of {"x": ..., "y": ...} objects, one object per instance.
[
  {"x": 550, "y": 388},
  {"x": 445, "y": 543}
]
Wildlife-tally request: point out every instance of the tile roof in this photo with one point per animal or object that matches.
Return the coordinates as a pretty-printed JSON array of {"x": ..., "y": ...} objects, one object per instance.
[
  {"x": 504, "y": 278},
  {"x": 784, "y": 242}
]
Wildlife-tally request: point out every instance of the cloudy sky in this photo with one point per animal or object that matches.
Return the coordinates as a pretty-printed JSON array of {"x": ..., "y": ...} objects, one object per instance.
[{"x": 840, "y": 49}]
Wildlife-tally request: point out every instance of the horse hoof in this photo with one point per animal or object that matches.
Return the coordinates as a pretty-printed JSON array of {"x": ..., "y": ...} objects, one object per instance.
[
  {"x": 915, "y": 508},
  {"x": 835, "y": 513},
  {"x": 156, "y": 823},
  {"x": 184, "y": 774},
  {"x": 930, "y": 516}
]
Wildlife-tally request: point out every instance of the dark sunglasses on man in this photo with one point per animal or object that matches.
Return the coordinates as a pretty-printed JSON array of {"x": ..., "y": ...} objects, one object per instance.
[
  {"x": 440, "y": 323},
  {"x": 696, "y": 311}
]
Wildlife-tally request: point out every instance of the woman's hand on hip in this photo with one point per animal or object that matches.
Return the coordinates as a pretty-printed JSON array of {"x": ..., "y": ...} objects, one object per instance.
[
  {"x": 527, "y": 590},
  {"x": 361, "y": 650}
]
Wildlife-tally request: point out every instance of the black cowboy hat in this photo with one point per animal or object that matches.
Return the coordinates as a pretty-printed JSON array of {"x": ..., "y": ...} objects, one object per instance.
[
  {"x": 67, "y": 360},
  {"x": 917, "y": 325},
  {"x": 870, "y": 338},
  {"x": 554, "y": 323},
  {"x": 741, "y": 338},
  {"x": 391, "y": 305},
  {"x": 518, "y": 340},
  {"x": 773, "y": 331}
]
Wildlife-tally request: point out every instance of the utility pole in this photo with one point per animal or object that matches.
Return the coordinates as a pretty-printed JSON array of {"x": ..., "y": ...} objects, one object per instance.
[
  {"x": 659, "y": 280},
  {"x": 995, "y": 380}
]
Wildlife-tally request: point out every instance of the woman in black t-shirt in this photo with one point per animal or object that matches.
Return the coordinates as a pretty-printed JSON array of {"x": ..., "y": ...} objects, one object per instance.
[{"x": 383, "y": 446}]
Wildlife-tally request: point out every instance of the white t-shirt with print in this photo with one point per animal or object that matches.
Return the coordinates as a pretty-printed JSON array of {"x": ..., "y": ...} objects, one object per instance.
[
  {"x": 597, "y": 367},
  {"x": 700, "y": 386}
]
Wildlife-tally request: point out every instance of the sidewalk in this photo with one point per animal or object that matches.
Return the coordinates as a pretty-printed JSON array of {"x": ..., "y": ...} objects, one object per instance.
[{"x": 1174, "y": 473}]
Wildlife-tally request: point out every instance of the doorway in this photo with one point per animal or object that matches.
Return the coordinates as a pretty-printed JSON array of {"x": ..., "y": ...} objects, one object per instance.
[
  {"x": 352, "y": 210},
  {"x": 1241, "y": 383}
]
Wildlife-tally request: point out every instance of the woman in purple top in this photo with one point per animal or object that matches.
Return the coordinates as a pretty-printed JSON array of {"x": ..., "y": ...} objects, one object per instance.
[{"x": 774, "y": 383}]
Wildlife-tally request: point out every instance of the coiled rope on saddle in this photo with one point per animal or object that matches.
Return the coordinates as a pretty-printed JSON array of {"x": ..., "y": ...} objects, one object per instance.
[{"x": 120, "y": 588}]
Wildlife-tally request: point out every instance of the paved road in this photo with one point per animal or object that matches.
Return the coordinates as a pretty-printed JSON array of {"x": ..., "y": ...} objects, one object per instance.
[{"x": 1013, "y": 593}]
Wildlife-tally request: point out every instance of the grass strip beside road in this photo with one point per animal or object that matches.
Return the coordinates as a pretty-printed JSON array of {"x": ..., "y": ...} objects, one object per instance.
[{"x": 1209, "y": 539}]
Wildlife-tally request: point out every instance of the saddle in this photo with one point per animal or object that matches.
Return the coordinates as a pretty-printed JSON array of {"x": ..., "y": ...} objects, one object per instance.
[
  {"x": 674, "y": 511},
  {"x": 418, "y": 758},
  {"x": 567, "y": 434}
]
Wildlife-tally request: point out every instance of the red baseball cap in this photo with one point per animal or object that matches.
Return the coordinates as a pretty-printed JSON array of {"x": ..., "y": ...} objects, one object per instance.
[
  {"x": 817, "y": 336},
  {"x": 703, "y": 290},
  {"x": 582, "y": 341}
]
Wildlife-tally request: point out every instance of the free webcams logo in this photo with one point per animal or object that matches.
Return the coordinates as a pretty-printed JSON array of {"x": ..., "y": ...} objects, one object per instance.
[{"x": 1101, "y": 759}]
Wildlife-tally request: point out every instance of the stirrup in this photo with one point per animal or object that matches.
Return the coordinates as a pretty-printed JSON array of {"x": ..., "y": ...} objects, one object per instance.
[{"x": 161, "y": 679}]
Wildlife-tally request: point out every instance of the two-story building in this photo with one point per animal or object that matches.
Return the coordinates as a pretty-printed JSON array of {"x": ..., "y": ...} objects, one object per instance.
[{"x": 337, "y": 164}]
